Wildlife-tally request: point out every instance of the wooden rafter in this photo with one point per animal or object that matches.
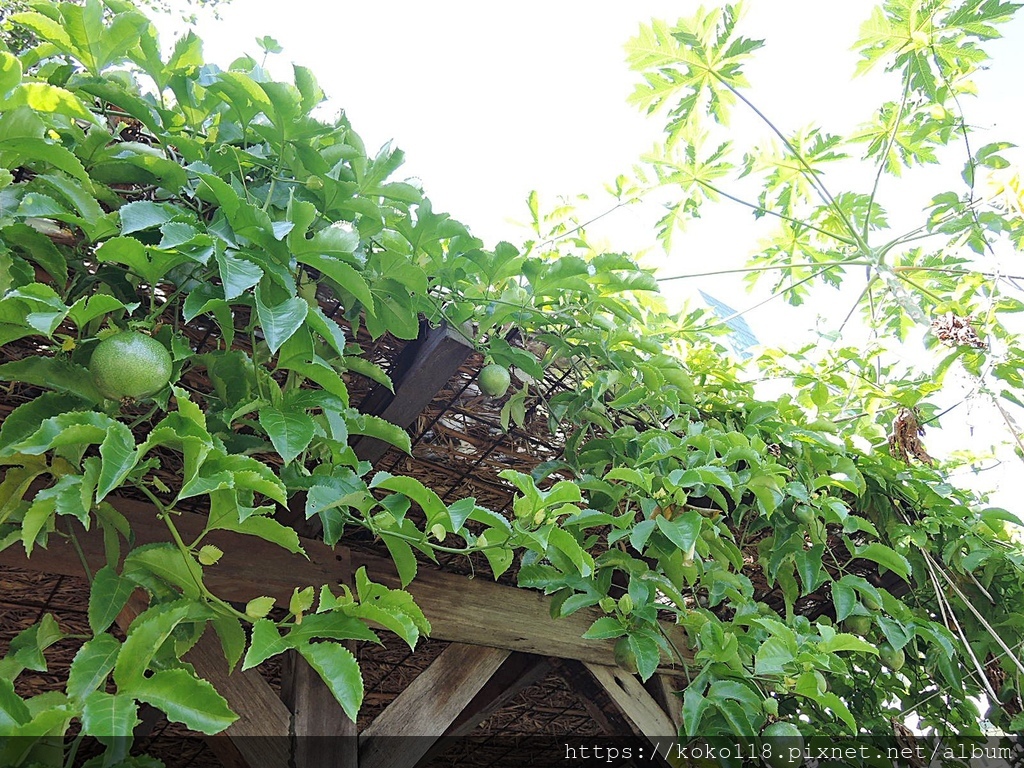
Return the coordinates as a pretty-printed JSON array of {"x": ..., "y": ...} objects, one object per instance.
[
  {"x": 420, "y": 372},
  {"x": 633, "y": 700},
  {"x": 428, "y": 706}
]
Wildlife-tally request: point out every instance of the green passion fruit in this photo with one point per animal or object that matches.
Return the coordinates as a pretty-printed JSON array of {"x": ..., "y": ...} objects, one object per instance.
[
  {"x": 130, "y": 365},
  {"x": 786, "y": 745},
  {"x": 494, "y": 380}
]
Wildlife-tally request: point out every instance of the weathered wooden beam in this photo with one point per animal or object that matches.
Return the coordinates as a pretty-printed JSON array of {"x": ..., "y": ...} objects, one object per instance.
[
  {"x": 460, "y": 609},
  {"x": 610, "y": 720},
  {"x": 323, "y": 735},
  {"x": 422, "y": 369},
  {"x": 259, "y": 737},
  {"x": 428, "y": 706},
  {"x": 665, "y": 690},
  {"x": 518, "y": 672},
  {"x": 633, "y": 700}
]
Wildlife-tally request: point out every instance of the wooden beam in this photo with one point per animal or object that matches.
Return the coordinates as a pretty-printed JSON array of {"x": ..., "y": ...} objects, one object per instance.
[
  {"x": 518, "y": 672},
  {"x": 422, "y": 369},
  {"x": 611, "y": 720},
  {"x": 460, "y": 609},
  {"x": 259, "y": 737},
  {"x": 632, "y": 699},
  {"x": 324, "y": 737},
  {"x": 428, "y": 706},
  {"x": 665, "y": 690}
]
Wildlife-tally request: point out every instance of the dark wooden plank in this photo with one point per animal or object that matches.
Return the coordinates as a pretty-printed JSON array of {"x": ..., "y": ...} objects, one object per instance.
[
  {"x": 422, "y": 370},
  {"x": 428, "y": 706},
  {"x": 460, "y": 609}
]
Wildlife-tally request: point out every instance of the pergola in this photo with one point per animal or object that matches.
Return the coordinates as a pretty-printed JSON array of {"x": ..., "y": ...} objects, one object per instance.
[{"x": 490, "y": 642}]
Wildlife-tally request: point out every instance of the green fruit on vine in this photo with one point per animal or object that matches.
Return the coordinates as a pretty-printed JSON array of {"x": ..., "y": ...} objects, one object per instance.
[
  {"x": 786, "y": 745},
  {"x": 494, "y": 380},
  {"x": 625, "y": 657},
  {"x": 893, "y": 658},
  {"x": 130, "y": 365},
  {"x": 870, "y": 603},
  {"x": 857, "y": 625},
  {"x": 805, "y": 514}
]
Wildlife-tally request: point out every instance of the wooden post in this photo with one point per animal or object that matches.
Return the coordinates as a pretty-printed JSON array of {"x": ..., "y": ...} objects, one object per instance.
[
  {"x": 259, "y": 738},
  {"x": 323, "y": 736},
  {"x": 428, "y": 707}
]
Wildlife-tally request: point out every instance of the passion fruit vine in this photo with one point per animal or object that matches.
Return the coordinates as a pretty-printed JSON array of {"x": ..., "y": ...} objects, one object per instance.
[{"x": 130, "y": 365}]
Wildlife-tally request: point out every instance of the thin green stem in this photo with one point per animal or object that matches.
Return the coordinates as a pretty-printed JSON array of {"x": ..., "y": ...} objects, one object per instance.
[
  {"x": 778, "y": 215},
  {"x": 885, "y": 153},
  {"x": 771, "y": 267},
  {"x": 809, "y": 173}
]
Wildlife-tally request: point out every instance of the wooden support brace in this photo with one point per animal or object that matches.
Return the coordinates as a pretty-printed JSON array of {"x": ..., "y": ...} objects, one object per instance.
[
  {"x": 428, "y": 706},
  {"x": 633, "y": 700},
  {"x": 420, "y": 372}
]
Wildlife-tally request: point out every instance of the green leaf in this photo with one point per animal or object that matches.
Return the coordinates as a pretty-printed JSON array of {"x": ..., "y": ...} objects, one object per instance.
[
  {"x": 10, "y": 72},
  {"x": 347, "y": 278},
  {"x": 144, "y": 214},
  {"x": 168, "y": 564},
  {"x": 232, "y": 638},
  {"x": 280, "y": 321},
  {"x": 773, "y": 656},
  {"x": 565, "y": 542},
  {"x": 185, "y": 699},
  {"x": 237, "y": 275},
  {"x": 683, "y": 530},
  {"x": 403, "y": 556},
  {"x": 339, "y": 669},
  {"x": 146, "y": 634},
  {"x": 52, "y": 373},
  {"x": 91, "y": 665},
  {"x": 289, "y": 431},
  {"x": 107, "y": 597},
  {"x": 110, "y": 718},
  {"x": 846, "y": 642},
  {"x": 887, "y": 557},
  {"x": 13, "y": 710},
  {"x": 844, "y": 598},
  {"x": 266, "y": 642},
  {"x": 374, "y": 426},
  {"x": 429, "y": 501},
  {"x": 604, "y": 628},
  {"x": 118, "y": 456}
]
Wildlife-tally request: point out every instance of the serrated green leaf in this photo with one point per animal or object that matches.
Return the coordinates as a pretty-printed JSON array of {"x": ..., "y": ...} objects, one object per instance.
[
  {"x": 107, "y": 597},
  {"x": 290, "y": 431},
  {"x": 339, "y": 669},
  {"x": 91, "y": 665},
  {"x": 185, "y": 699}
]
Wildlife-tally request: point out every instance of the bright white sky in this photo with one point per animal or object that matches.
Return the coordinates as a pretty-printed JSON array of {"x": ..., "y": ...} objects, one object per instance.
[{"x": 490, "y": 101}]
